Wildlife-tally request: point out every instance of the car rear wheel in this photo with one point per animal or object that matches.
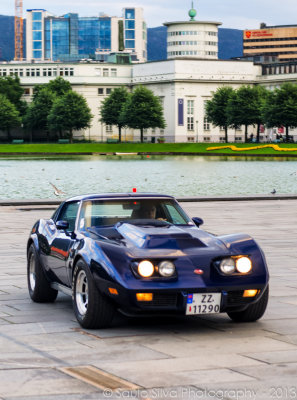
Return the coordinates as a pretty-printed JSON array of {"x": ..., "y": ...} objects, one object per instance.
[
  {"x": 91, "y": 309},
  {"x": 253, "y": 312},
  {"x": 39, "y": 287}
]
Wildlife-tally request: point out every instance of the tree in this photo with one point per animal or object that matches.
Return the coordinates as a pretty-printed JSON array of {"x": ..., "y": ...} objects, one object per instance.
[
  {"x": 69, "y": 112},
  {"x": 216, "y": 108},
  {"x": 58, "y": 86},
  {"x": 9, "y": 116},
  {"x": 281, "y": 107},
  {"x": 11, "y": 88},
  {"x": 243, "y": 108},
  {"x": 38, "y": 111},
  {"x": 260, "y": 94},
  {"x": 112, "y": 107},
  {"x": 143, "y": 110}
]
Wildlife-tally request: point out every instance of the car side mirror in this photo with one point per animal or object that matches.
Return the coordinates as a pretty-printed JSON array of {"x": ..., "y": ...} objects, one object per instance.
[
  {"x": 198, "y": 221},
  {"x": 62, "y": 225}
]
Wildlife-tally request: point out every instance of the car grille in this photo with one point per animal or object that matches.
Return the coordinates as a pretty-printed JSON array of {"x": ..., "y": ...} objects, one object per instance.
[
  {"x": 235, "y": 298},
  {"x": 162, "y": 300}
]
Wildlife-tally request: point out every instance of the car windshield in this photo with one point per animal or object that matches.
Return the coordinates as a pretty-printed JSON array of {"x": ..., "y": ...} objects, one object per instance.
[{"x": 97, "y": 213}]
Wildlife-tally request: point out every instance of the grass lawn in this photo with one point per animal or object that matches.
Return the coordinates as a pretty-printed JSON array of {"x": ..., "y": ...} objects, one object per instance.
[{"x": 143, "y": 147}]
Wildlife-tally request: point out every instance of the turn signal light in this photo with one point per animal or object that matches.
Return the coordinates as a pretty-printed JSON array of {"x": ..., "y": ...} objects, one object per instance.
[
  {"x": 113, "y": 291},
  {"x": 144, "y": 296},
  {"x": 250, "y": 293}
]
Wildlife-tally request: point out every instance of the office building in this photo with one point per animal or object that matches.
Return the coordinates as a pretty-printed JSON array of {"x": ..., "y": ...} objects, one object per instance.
[
  {"x": 271, "y": 43},
  {"x": 72, "y": 38},
  {"x": 195, "y": 39}
]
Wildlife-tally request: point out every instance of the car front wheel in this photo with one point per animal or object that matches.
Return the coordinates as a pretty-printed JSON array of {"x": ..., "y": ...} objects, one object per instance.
[
  {"x": 253, "y": 312},
  {"x": 91, "y": 309},
  {"x": 39, "y": 287}
]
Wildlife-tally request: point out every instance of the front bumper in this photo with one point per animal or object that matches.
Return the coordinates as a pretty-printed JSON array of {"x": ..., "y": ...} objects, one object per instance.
[{"x": 166, "y": 301}]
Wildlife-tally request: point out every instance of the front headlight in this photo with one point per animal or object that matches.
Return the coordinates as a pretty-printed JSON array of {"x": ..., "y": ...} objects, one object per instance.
[
  {"x": 227, "y": 266},
  {"x": 243, "y": 265},
  {"x": 145, "y": 269},
  {"x": 166, "y": 268}
]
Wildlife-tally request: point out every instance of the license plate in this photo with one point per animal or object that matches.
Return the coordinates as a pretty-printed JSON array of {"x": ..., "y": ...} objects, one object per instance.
[{"x": 203, "y": 303}]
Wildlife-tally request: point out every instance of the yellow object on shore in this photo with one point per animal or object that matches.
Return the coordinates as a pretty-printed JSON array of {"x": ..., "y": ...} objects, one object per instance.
[{"x": 235, "y": 148}]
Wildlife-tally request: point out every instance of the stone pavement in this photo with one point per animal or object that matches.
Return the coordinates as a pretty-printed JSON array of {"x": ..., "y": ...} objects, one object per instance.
[{"x": 197, "y": 358}]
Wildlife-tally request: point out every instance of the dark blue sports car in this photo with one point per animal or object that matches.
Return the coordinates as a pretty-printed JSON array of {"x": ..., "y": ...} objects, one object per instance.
[{"x": 142, "y": 254}]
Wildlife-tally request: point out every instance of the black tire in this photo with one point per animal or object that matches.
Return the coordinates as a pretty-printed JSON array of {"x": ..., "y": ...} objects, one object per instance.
[
  {"x": 39, "y": 287},
  {"x": 92, "y": 310},
  {"x": 253, "y": 312}
]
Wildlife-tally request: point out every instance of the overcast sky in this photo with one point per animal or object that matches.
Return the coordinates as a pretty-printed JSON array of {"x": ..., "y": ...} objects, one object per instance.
[{"x": 239, "y": 14}]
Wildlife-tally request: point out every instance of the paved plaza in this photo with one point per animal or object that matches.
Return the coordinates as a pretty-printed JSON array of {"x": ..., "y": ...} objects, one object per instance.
[{"x": 168, "y": 358}]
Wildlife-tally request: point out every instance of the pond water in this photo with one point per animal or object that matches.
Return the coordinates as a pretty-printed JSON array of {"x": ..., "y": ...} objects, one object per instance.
[{"x": 30, "y": 177}]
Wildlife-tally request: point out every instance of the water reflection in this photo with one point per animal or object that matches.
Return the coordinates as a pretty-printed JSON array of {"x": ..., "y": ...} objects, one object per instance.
[{"x": 29, "y": 177}]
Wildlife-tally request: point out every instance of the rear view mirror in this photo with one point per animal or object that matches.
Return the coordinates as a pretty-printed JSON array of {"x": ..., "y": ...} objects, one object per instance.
[
  {"x": 62, "y": 225},
  {"x": 198, "y": 221}
]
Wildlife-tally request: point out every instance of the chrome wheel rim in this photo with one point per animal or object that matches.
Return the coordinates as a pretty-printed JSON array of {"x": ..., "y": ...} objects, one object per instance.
[
  {"x": 32, "y": 272},
  {"x": 82, "y": 293}
]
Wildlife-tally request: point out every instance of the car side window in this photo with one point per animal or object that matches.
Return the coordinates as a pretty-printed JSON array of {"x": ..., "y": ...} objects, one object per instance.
[{"x": 69, "y": 213}]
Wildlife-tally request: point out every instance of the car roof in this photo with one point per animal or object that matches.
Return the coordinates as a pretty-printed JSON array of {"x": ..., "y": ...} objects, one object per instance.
[{"x": 112, "y": 196}]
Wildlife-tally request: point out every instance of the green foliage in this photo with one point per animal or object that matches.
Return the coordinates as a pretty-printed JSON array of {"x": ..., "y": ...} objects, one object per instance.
[
  {"x": 143, "y": 110},
  {"x": 9, "y": 115},
  {"x": 38, "y": 111},
  {"x": 121, "y": 36},
  {"x": 112, "y": 106},
  {"x": 281, "y": 107},
  {"x": 59, "y": 86},
  {"x": 36, "y": 117},
  {"x": 11, "y": 88},
  {"x": 216, "y": 108},
  {"x": 245, "y": 108},
  {"x": 69, "y": 112}
]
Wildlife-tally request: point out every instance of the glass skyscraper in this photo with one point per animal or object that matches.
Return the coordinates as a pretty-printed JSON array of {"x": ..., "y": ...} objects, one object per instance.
[{"x": 72, "y": 38}]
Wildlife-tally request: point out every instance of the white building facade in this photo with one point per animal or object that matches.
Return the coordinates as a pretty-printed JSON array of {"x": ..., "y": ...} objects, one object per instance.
[{"x": 183, "y": 86}]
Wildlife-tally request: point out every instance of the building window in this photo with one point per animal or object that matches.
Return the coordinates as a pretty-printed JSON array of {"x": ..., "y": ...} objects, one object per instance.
[
  {"x": 100, "y": 91},
  {"x": 130, "y": 24},
  {"x": 130, "y": 44},
  {"x": 36, "y": 16},
  {"x": 108, "y": 128},
  {"x": 108, "y": 91},
  {"x": 36, "y": 26},
  {"x": 113, "y": 72},
  {"x": 190, "y": 139},
  {"x": 130, "y": 13},
  {"x": 130, "y": 34},
  {"x": 206, "y": 125},
  {"x": 37, "y": 53},
  {"x": 37, "y": 35},
  {"x": 238, "y": 139},
  {"x": 37, "y": 45},
  {"x": 26, "y": 92},
  {"x": 105, "y": 72},
  {"x": 190, "y": 115},
  {"x": 206, "y": 139}
]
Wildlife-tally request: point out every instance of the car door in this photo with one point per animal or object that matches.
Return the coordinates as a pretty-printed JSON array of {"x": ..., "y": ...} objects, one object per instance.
[{"x": 61, "y": 242}]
